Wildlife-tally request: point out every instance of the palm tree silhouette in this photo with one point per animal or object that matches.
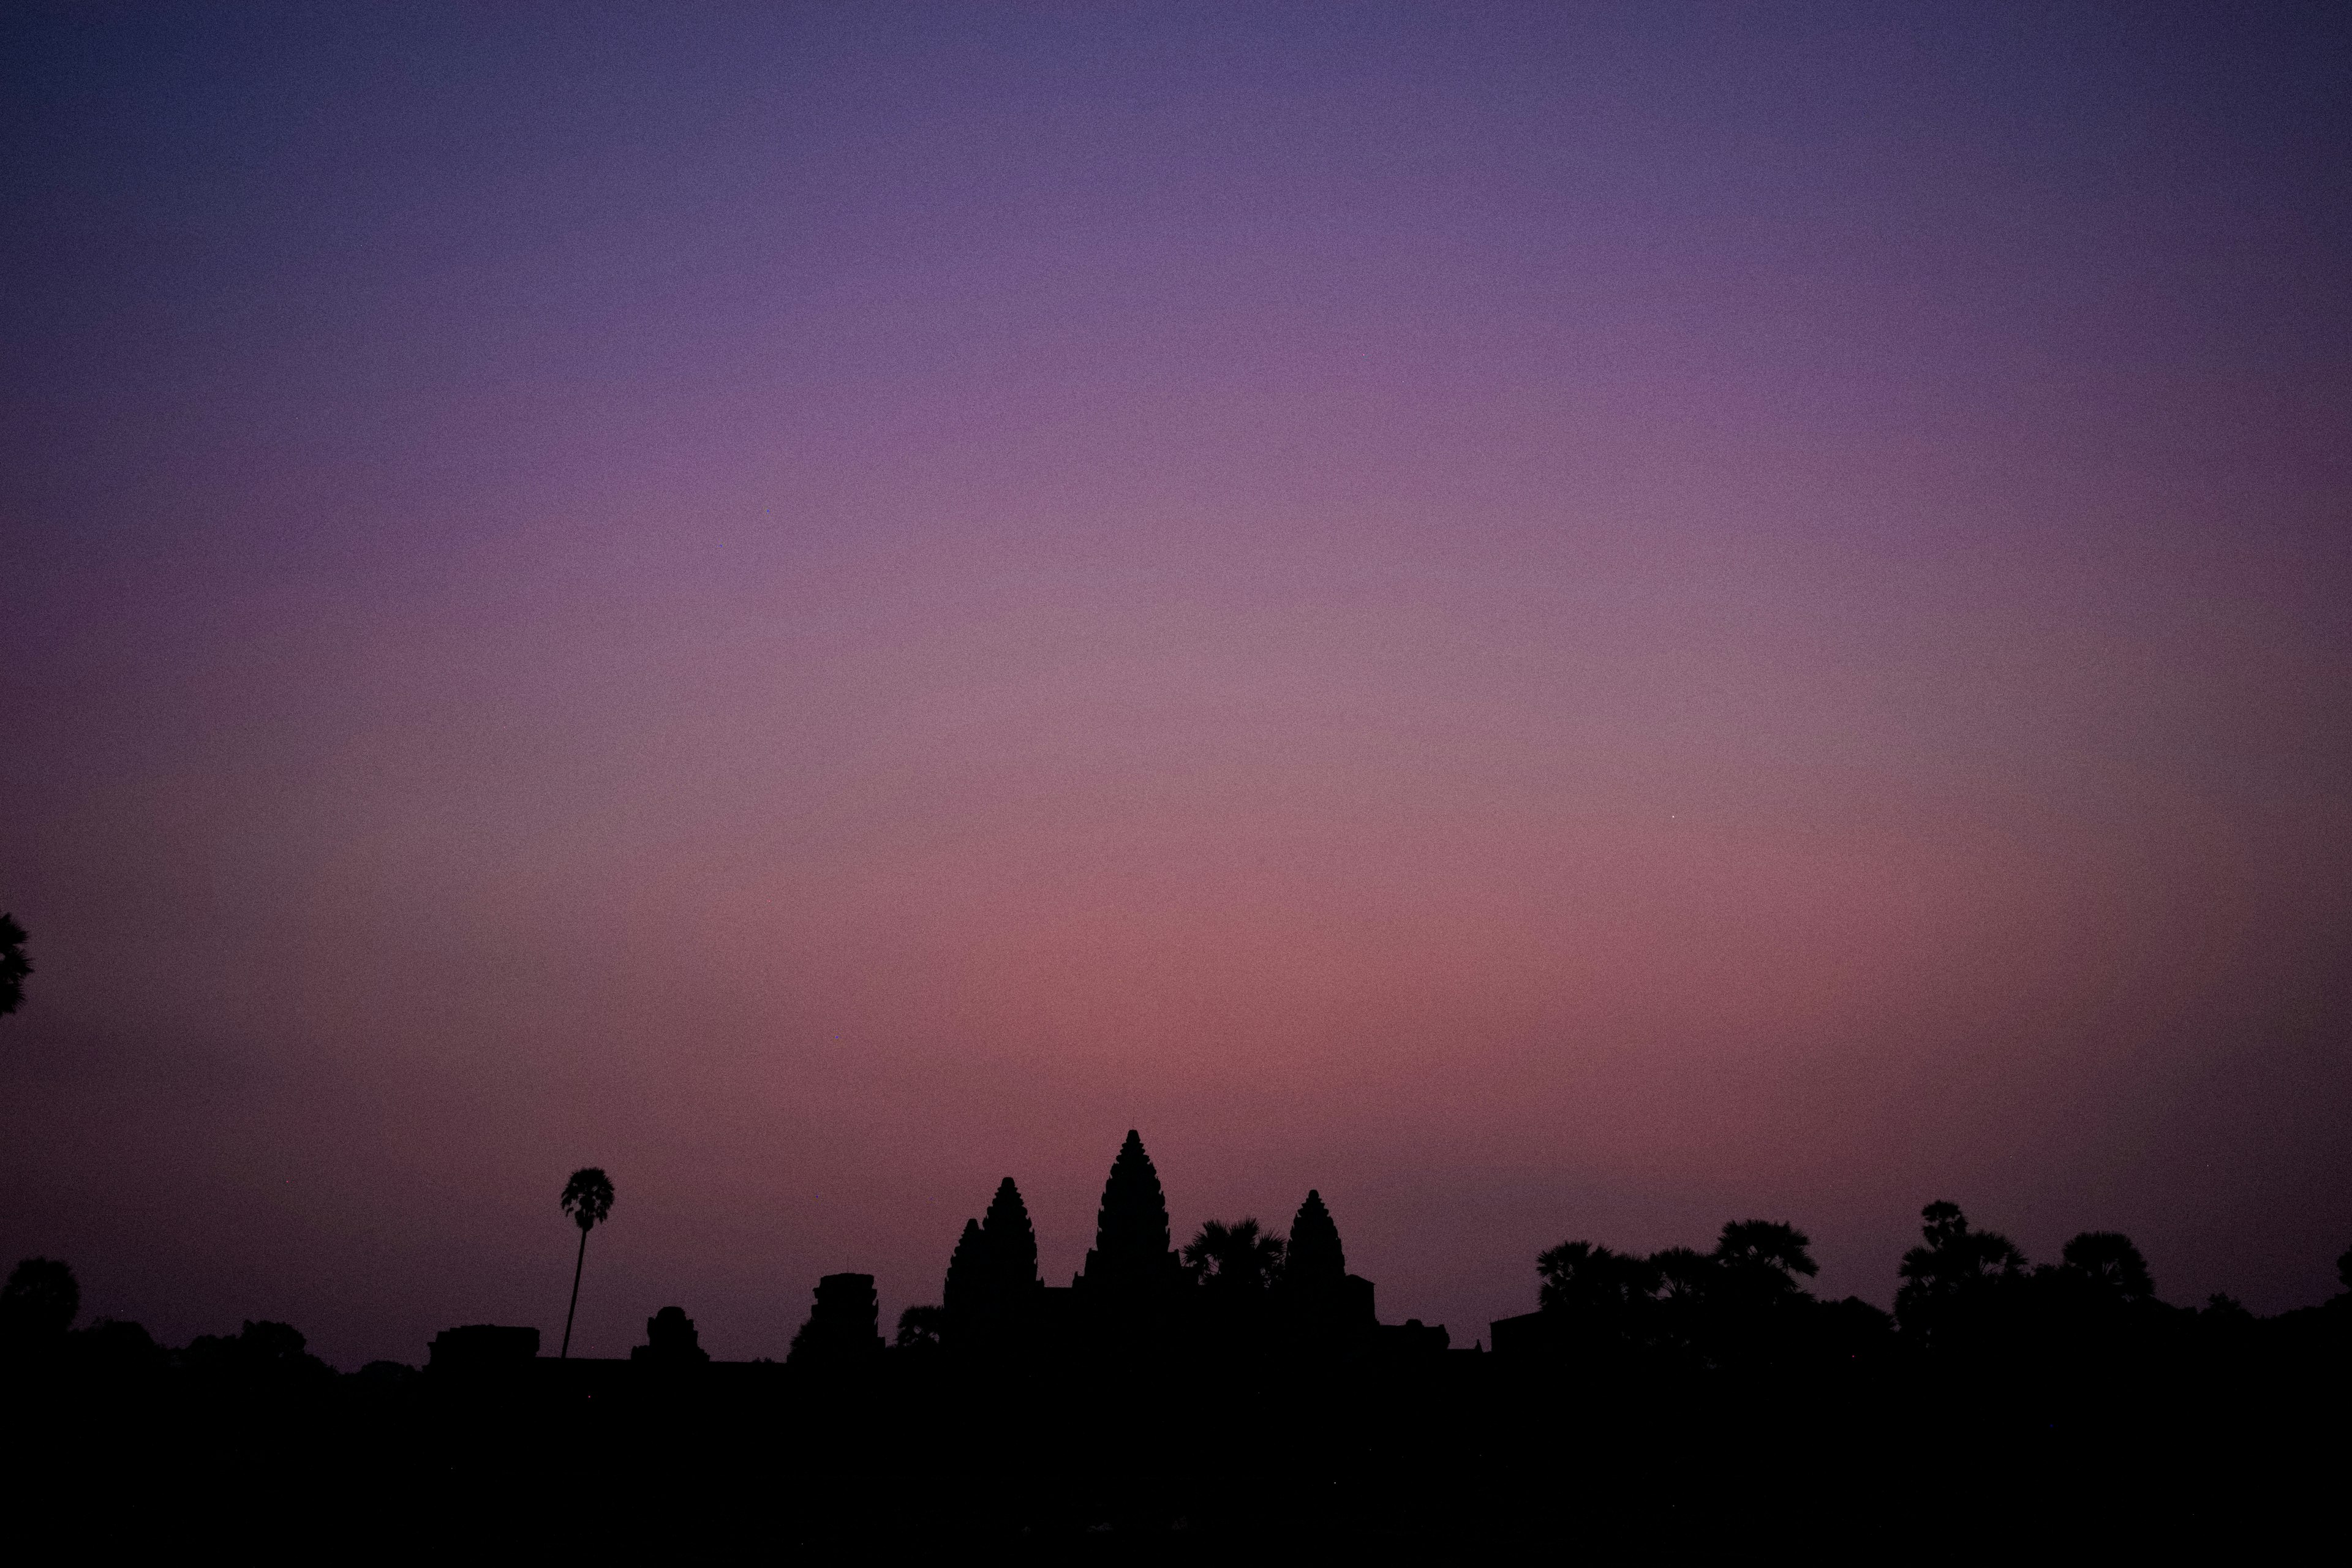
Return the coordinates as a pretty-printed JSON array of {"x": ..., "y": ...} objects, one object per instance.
[
  {"x": 587, "y": 1198},
  {"x": 1759, "y": 1259},
  {"x": 2110, "y": 1262},
  {"x": 1240, "y": 1257},
  {"x": 1956, "y": 1274}
]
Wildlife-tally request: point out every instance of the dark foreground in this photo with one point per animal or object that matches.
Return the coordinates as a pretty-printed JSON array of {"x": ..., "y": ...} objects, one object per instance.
[{"x": 2203, "y": 1444}]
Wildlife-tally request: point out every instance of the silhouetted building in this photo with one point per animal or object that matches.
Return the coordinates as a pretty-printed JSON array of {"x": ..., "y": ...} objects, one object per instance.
[
  {"x": 1011, "y": 1244},
  {"x": 843, "y": 1329},
  {"x": 1411, "y": 1340},
  {"x": 1135, "y": 1294},
  {"x": 993, "y": 1293},
  {"x": 1131, "y": 1255},
  {"x": 670, "y": 1340},
  {"x": 1320, "y": 1299},
  {"x": 967, "y": 1271},
  {"x": 1529, "y": 1334},
  {"x": 481, "y": 1347},
  {"x": 1315, "y": 1257}
]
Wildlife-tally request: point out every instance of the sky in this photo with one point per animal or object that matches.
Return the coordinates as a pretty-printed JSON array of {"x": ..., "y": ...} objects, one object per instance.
[{"x": 1555, "y": 621}]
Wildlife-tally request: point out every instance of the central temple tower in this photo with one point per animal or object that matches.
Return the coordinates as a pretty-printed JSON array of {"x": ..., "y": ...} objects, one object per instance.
[{"x": 1130, "y": 1254}]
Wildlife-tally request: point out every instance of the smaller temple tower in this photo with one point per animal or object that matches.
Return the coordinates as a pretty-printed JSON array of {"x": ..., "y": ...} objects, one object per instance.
[
  {"x": 1321, "y": 1300},
  {"x": 671, "y": 1341},
  {"x": 992, "y": 1291},
  {"x": 840, "y": 1331}
]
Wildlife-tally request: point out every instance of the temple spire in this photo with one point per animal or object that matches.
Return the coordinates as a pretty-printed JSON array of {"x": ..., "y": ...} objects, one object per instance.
[
  {"x": 1012, "y": 1242},
  {"x": 1315, "y": 1257},
  {"x": 1131, "y": 1228},
  {"x": 967, "y": 1272}
]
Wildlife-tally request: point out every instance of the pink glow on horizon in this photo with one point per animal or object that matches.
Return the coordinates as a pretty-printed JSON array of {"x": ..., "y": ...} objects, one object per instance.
[{"x": 1551, "y": 625}]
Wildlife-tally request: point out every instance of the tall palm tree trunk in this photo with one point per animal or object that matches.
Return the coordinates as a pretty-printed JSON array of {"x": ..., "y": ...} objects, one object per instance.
[{"x": 575, "y": 1294}]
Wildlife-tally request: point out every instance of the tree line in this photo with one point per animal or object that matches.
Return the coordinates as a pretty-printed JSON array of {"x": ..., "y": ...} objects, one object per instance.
[{"x": 1963, "y": 1295}]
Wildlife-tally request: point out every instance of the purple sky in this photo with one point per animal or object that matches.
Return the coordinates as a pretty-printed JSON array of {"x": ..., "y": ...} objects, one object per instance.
[{"x": 1555, "y": 621}]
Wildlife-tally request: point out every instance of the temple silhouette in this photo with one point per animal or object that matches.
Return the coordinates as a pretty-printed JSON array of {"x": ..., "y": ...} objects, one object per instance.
[
  {"x": 1136, "y": 1295},
  {"x": 1236, "y": 1397}
]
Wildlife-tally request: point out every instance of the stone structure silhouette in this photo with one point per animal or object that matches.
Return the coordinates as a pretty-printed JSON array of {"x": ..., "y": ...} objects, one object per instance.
[
  {"x": 1322, "y": 1302},
  {"x": 967, "y": 1271},
  {"x": 1315, "y": 1256},
  {"x": 476, "y": 1349},
  {"x": 1135, "y": 1296},
  {"x": 1011, "y": 1244},
  {"x": 671, "y": 1341},
  {"x": 843, "y": 1329},
  {"x": 992, "y": 1290},
  {"x": 1132, "y": 1255}
]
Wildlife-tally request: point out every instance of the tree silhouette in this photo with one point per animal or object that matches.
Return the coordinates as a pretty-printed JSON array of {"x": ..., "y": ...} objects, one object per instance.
[
  {"x": 39, "y": 1302},
  {"x": 2110, "y": 1262},
  {"x": 1759, "y": 1259},
  {"x": 1747, "y": 1294},
  {"x": 1687, "y": 1298},
  {"x": 1604, "y": 1292},
  {"x": 1233, "y": 1259},
  {"x": 919, "y": 1328},
  {"x": 587, "y": 1198},
  {"x": 14, "y": 965},
  {"x": 1955, "y": 1274},
  {"x": 116, "y": 1349},
  {"x": 1684, "y": 1273},
  {"x": 2223, "y": 1326},
  {"x": 1602, "y": 1304}
]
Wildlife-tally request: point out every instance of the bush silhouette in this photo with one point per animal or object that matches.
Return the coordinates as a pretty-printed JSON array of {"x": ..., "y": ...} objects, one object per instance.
[
  {"x": 14, "y": 965},
  {"x": 920, "y": 1328},
  {"x": 40, "y": 1303},
  {"x": 112, "y": 1350},
  {"x": 262, "y": 1354}
]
